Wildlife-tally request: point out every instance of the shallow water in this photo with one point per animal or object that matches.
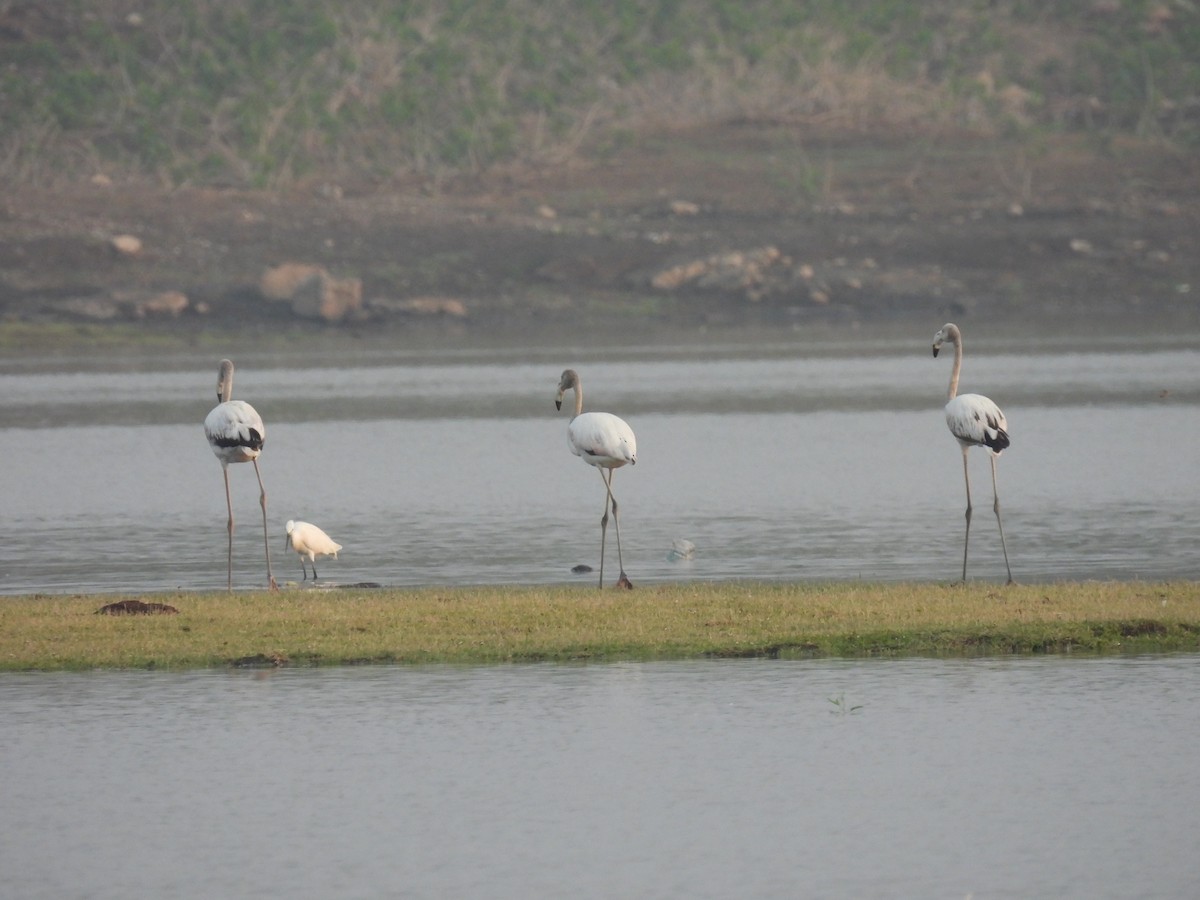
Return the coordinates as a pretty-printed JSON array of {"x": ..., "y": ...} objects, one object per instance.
[
  {"x": 785, "y": 460},
  {"x": 991, "y": 778}
]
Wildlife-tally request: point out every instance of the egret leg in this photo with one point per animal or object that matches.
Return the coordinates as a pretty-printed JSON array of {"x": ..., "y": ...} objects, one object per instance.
[
  {"x": 996, "y": 508},
  {"x": 229, "y": 528},
  {"x": 262, "y": 501},
  {"x": 967, "y": 536}
]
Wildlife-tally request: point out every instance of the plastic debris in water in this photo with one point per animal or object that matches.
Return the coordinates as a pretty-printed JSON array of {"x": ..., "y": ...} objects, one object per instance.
[{"x": 681, "y": 549}]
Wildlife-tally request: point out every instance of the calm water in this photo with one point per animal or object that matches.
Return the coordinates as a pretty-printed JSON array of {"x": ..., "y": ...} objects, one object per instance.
[
  {"x": 786, "y": 460},
  {"x": 978, "y": 778}
]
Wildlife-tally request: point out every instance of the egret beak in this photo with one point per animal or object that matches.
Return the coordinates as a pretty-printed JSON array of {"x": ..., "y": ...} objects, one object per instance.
[{"x": 287, "y": 541}]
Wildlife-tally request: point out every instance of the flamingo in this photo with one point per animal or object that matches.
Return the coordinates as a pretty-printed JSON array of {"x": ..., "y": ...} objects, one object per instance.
[
  {"x": 606, "y": 442},
  {"x": 309, "y": 540},
  {"x": 236, "y": 433},
  {"x": 975, "y": 421}
]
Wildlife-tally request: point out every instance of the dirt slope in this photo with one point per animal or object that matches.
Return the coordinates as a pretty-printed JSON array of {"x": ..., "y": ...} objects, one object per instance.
[{"x": 736, "y": 225}]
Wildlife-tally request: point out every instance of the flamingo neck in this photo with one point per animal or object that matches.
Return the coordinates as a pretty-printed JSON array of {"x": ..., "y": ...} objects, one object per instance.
[
  {"x": 225, "y": 381},
  {"x": 954, "y": 373},
  {"x": 578, "y": 399}
]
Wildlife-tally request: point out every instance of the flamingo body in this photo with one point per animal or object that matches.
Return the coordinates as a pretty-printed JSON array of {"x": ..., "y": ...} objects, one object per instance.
[
  {"x": 978, "y": 422},
  {"x": 235, "y": 431},
  {"x": 309, "y": 540},
  {"x": 603, "y": 440}
]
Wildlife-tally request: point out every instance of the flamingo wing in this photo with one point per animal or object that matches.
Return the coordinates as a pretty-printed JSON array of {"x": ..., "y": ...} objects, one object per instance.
[
  {"x": 975, "y": 419},
  {"x": 235, "y": 431}
]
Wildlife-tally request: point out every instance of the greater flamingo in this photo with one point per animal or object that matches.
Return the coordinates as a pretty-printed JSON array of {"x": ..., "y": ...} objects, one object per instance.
[
  {"x": 975, "y": 421},
  {"x": 309, "y": 540},
  {"x": 606, "y": 442},
  {"x": 236, "y": 433}
]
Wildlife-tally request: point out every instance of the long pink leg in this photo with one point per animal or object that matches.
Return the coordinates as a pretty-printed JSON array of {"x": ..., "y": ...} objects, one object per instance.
[
  {"x": 229, "y": 527},
  {"x": 996, "y": 508},
  {"x": 262, "y": 500}
]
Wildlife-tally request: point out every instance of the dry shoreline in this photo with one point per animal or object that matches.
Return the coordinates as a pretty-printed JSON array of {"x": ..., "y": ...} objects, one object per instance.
[{"x": 685, "y": 232}]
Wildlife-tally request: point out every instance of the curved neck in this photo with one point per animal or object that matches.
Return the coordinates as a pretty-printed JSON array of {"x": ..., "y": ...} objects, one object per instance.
[
  {"x": 570, "y": 382},
  {"x": 954, "y": 373},
  {"x": 224, "y": 381}
]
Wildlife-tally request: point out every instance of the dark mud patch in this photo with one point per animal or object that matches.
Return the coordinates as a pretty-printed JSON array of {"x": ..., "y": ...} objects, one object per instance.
[{"x": 136, "y": 608}]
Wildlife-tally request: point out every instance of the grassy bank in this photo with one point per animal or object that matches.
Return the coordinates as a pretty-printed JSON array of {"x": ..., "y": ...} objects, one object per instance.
[
  {"x": 489, "y": 625},
  {"x": 269, "y": 92}
]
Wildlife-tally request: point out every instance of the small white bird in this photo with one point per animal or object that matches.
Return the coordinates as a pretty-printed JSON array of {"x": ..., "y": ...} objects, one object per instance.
[
  {"x": 236, "y": 433},
  {"x": 606, "y": 442},
  {"x": 309, "y": 540},
  {"x": 975, "y": 421}
]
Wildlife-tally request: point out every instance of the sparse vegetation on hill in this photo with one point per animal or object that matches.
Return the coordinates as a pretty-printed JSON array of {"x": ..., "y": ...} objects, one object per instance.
[{"x": 266, "y": 93}]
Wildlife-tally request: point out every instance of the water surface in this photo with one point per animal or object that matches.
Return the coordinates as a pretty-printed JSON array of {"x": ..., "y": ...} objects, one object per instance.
[
  {"x": 992, "y": 778},
  {"x": 785, "y": 460}
]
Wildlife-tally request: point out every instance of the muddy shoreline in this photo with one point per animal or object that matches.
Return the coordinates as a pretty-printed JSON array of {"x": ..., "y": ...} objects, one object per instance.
[{"x": 683, "y": 233}]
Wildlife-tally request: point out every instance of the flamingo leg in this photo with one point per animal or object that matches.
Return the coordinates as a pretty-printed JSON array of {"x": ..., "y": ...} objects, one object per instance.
[
  {"x": 622, "y": 579},
  {"x": 967, "y": 536},
  {"x": 262, "y": 501},
  {"x": 996, "y": 508},
  {"x": 229, "y": 527},
  {"x": 604, "y": 523},
  {"x": 313, "y": 562}
]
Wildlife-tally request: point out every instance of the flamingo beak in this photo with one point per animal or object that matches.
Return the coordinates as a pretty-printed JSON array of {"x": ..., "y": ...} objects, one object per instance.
[
  {"x": 558, "y": 400},
  {"x": 287, "y": 541},
  {"x": 936, "y": 348}
]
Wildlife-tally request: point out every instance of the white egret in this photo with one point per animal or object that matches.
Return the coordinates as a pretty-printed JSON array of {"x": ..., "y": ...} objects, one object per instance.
[{"x": 309, "y": 540}]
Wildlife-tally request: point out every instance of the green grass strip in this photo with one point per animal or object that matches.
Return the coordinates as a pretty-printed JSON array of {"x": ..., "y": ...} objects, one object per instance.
[{"x": 520, "y": 624}]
